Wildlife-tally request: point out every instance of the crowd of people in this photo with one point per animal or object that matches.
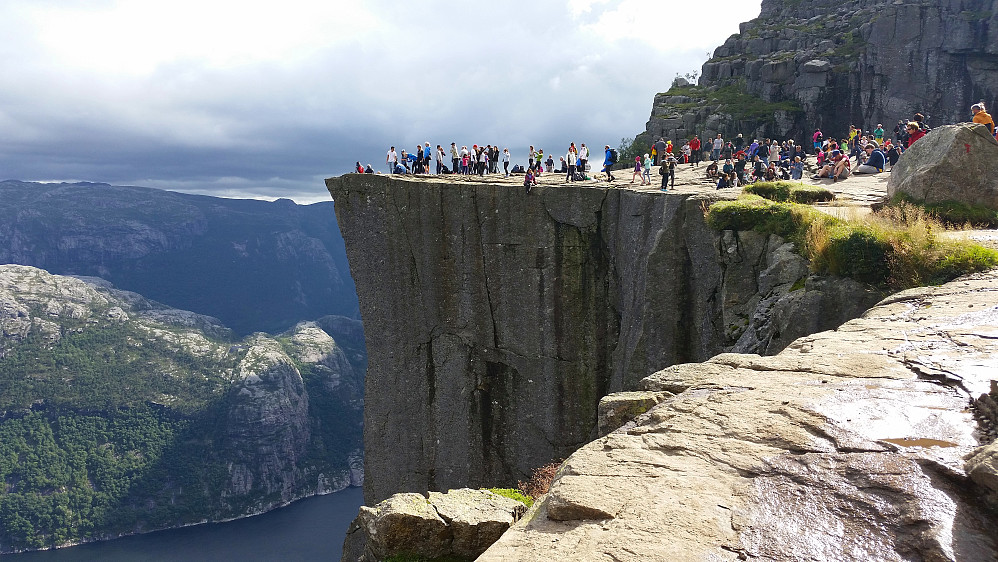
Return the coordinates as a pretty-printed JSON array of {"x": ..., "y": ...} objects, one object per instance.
[{"x": 733, "y": 162}]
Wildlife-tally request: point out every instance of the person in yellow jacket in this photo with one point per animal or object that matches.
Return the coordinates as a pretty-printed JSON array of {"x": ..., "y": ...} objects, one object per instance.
[{"x": 981, "y": 116}]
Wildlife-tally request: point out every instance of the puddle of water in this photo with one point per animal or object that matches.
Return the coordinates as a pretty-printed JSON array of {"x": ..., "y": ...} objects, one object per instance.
[{"x": 912, "y": 442}]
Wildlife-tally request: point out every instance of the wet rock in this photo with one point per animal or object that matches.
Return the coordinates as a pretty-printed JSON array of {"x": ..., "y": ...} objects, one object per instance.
[
  {"x": 950, "y": 163},
  {"x": 848, "y": 445}
]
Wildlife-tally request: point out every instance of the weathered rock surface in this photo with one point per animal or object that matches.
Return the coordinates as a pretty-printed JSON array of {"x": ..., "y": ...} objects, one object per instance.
[
  {"x": 848, "y": 445},
  {"x": 497, "y": 320},
  {"x": 461, "y": 523},
  {"x": 829, "y": 64},
  {"x": 950, "y": 163}
]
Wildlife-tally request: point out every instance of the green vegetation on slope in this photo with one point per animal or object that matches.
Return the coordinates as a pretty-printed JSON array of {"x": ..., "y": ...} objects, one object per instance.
[
  {"x": 110, "y": 427},
  {"x": 733, "y": 99},
  {"x": 953, "y": 213},
  {"x": 898, "y": 249}
]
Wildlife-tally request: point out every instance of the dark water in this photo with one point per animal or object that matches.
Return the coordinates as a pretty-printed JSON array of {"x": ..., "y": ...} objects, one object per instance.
[{"x": 310, "y": 529}]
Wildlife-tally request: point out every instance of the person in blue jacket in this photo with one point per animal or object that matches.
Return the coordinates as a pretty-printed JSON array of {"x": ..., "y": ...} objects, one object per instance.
[
  {"x": 875, "y": 160},
  {"x": 607, "y": 164}
]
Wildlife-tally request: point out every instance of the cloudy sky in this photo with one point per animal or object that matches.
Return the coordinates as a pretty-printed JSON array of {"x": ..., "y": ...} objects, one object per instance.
[{"x": 266, "y": 99}]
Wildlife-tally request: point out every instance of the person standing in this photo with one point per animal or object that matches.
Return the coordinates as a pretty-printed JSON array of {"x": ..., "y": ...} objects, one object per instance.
[
  {"x": 505, "y": 161},
  {"x": 608, "y": 163},
  {"x": 583, "y": 157},
  {"x": 392, "y": 160},
  {"x": 455, "y": 157},
  {"x": 878, "y": 134},
  {"x": 646, "y": 176},
  {"x": 715, "y": 151},
  {"x": 571, "y": 158},
  {"x": 695, "y": 151},
  {"x": 533, "y": 157},
  {"x": 441, "y": 157}
]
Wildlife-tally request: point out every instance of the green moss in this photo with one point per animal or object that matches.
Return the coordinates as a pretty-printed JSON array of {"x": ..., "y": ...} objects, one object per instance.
[
  {"x": 513, "y": 494},
  {"x": 790, "y": 191}
]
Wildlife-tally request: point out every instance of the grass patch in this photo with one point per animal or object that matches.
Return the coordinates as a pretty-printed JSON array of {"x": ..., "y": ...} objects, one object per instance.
[
  {"x": 951, "y": 213},
  {"x": 513, "y": 494},
  {"x": 896, "y": 249},
  {"x": 789, "y": 191}
]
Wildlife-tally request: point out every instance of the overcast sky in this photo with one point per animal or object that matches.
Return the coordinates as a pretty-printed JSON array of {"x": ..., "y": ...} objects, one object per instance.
[{"x": 266, "y": 99}]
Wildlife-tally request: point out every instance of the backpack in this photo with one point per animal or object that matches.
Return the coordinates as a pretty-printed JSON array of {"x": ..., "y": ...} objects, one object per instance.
[{"x": 613, "y": 156}]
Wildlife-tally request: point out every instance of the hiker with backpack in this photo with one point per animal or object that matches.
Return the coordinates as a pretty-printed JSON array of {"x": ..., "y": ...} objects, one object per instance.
[{"x": 608, "y": 162}]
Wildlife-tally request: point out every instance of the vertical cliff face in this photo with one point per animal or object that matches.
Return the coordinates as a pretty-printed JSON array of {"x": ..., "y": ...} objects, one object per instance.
[
  {"x": 829, "y": 64},
  {"x": 496, "y": 320}
]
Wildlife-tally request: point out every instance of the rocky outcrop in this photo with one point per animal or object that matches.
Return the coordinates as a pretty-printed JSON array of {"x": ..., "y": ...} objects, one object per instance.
[
  {"x": 458, "y": 524},
  {"x": 848, "y": 445},
  {"x": 829, "y": 64},
  {"x": 950, "y": 163},
  {"x": 497, "y": 320}
]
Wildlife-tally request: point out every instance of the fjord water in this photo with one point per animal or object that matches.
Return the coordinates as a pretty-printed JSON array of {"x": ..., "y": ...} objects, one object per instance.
[{"x": 310, "y": 529}]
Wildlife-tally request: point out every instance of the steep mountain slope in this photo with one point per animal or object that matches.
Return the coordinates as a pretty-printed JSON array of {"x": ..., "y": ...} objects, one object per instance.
[
  {"x": 255, "y": 265},
  {"x": 829, "y": 64},
  {"x": 120, "y": 415}
]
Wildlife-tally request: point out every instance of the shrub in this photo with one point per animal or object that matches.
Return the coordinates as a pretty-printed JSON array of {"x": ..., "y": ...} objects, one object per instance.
[
  {"x": 540, "y": 480},
  {"x": 513, "y": 494},
  {"x": 895, "y": 249}
]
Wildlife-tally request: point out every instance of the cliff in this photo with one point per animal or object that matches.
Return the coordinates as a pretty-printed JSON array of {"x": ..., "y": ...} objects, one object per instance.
[
  {"x": 850, "y": 444},
  {"x": 496, "y": 320},
  {"x": 205, "y": 254},
  {"x": 121, "y": 415},
  {"x": 803, "y": 65}
]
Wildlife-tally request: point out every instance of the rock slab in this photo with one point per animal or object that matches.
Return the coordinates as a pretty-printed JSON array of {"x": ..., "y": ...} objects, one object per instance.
[{"x": 848, "y": 445}]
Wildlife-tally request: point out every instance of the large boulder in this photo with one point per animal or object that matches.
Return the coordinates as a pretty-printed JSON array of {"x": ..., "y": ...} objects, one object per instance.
[
  {"x": 459, "y": 524},
  {"x": 951, "y": 163}
]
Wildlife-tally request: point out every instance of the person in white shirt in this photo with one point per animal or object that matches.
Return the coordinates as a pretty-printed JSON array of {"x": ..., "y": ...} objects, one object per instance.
[
  {"x": 583, "y": 157},
  {"x": 392, "y": 160}
]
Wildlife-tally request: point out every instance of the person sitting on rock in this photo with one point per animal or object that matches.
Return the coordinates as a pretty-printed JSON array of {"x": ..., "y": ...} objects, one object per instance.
[
  {"x": 770, "y": 173},
  {"x": 914, "y": 132},
  {"x": 876, "y": 161},
  {"x": 529, "y": 180},
  {"x": 728, "y": 167},
  {"x": 724, "y": 181},
  {"x": 712, "y": 170},
  {"x": 893, "y": 155},
  {"x": 983, "y": 117},
  {"x": 837, "y": 168}
]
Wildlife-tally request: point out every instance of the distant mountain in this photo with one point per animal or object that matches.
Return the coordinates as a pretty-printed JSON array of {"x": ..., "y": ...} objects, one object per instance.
[
  {"x": 255, "y": 265},
  {"x": 120, "y": 415}
]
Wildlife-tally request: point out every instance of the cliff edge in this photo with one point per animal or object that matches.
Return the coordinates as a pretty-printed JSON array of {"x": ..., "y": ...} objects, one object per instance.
[{"x": 496, "y": 320}]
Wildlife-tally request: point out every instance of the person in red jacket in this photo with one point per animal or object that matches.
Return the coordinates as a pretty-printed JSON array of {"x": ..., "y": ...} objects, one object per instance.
[
  {"x": 914, "y": 133},
  {"x": 695, "y": 151}
]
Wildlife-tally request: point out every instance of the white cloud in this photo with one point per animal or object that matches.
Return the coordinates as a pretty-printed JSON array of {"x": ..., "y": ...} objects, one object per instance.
[{"x": 233, "y": 97}]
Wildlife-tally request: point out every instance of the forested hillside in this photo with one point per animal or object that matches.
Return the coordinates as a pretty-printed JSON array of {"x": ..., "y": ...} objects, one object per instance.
[{"x": 120, "y": 415}]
